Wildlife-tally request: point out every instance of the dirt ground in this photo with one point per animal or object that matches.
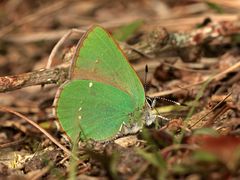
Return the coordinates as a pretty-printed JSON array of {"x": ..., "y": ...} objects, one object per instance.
[{"x": 192, "y": 50}]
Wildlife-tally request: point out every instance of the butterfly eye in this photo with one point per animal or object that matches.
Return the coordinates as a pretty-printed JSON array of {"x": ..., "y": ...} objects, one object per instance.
[
  {"x": 148, "y": 101},
  {"x": 154, "y": 103},
  {"x": 151, "y": 102},
  {"x": 149, "y": 118}
]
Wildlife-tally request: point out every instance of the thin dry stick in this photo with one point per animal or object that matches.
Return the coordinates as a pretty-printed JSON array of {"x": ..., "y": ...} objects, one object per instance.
[
  {"x": 222, "y": 74},
  {"x": 14, "y": 143},
  {"x": 188, "y": 22},
  {"x": 215, "y": 107},
  {"x": 173, "y": 91},
  {"x": 6, "y": 109},
  {"x": 51, "y": 35},
  {"x": 54, "y": 35},
  {"x": 59, "y": 43},
  {"x": 152, "y": 46},
  {"x": 216, "y": 77},
  {"x": 40, "y": 77},
  {"x": 170, "y": 24}
]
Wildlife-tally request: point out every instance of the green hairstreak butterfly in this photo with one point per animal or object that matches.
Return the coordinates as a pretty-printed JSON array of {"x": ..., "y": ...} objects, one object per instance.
[{"x": 104, "y": 93}]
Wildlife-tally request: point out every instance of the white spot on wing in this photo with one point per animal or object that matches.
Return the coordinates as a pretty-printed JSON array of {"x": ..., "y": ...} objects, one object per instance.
[
  {"x": 79, "y": 117},
  {"x": 80, "y": 109},
  {"x": 90, "y": 84}
]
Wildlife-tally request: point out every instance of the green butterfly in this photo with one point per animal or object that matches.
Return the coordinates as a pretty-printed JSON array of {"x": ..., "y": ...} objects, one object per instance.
[{"x": 104, "y": 97}]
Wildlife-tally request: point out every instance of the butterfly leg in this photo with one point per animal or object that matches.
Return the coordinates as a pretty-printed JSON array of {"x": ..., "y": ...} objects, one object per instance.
[{"x": 126, "y": 129}]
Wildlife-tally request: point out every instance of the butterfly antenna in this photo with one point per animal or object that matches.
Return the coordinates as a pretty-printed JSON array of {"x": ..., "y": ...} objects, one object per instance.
[
  {"x": 145, "y": 78},
  {"x": 171, "y": 101}
]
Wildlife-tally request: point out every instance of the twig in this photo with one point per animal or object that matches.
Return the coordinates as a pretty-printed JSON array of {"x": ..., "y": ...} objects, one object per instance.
[
  {"x": 151, "y": 45},
  {"x": 40, "y": 77},
  {"x": 159, "y": 40},
  {"x": 54, "y": 35},
  {"x": 170, "y": 24},
  {"x": 187, "y": 23},
  {"x": 59, "y": 43},
  {"x": 216, "y": 77},
  {"x": 221, "y": 75},
  {"x": 14, "y": 143},
  {"x": 225, "y": 3},
  {"x": 215, "y": 107}
]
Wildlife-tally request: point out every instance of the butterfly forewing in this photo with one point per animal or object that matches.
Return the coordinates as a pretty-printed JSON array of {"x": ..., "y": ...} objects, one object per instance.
[{"x": 99, "y": 58}]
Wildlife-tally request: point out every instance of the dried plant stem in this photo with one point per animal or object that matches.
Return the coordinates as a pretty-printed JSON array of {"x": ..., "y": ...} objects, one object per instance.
[
  {"x": 59, "y": 43},
  {"x": 40, "y": 77},
  {"x": 216, "y": 77},
  {"x": 151, "y": 45},
  {"x": 215, "y": 107}
]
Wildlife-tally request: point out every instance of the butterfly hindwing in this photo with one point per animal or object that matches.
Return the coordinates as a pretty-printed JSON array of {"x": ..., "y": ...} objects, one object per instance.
[{"x": 98, "y": 110}]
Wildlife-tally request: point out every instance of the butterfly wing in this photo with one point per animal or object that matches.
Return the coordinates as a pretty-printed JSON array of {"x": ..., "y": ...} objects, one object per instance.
[
  {"x": 93, "y": 109},
  {"x": 99, "y": 58}
]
